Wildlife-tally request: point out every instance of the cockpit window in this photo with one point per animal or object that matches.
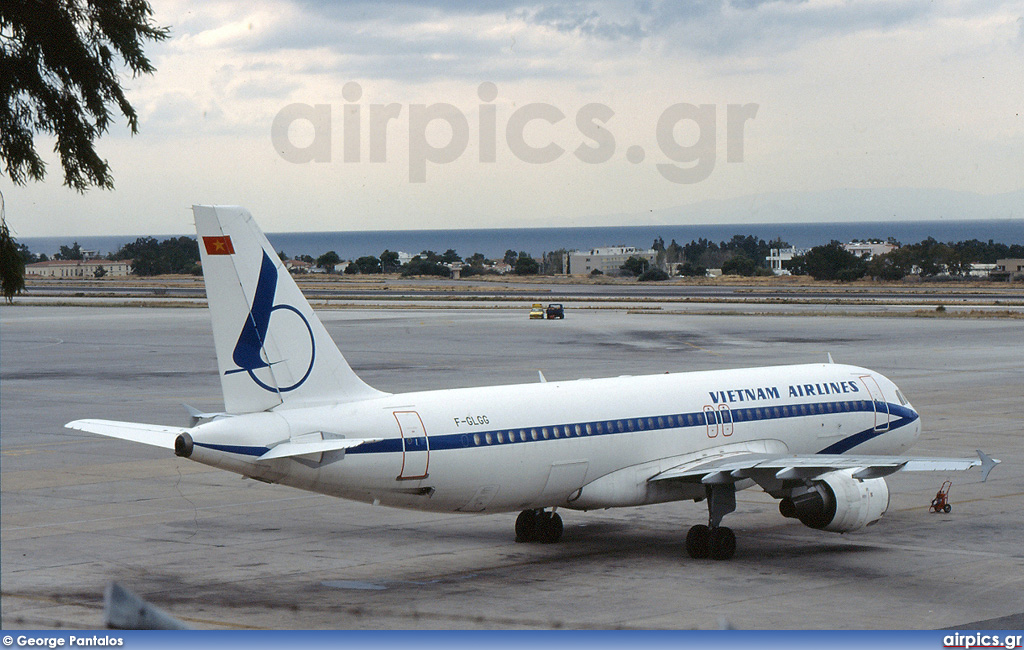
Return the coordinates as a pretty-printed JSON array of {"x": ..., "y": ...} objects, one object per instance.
[{"x": 903, "y": 400}]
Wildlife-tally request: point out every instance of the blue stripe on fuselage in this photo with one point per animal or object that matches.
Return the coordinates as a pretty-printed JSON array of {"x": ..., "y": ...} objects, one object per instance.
[{"x": 900, "y": 416}]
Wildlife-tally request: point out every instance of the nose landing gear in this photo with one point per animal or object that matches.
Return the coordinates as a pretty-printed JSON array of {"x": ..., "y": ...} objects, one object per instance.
[{"x": 538, "y": 526}]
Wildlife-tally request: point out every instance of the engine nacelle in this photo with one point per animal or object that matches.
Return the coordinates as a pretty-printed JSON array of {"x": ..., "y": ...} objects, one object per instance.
[{"x": 838, "y": 502}]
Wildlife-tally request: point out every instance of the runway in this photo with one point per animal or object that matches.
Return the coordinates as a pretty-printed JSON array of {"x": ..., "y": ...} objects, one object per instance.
[{"x": 219, "y": 551}]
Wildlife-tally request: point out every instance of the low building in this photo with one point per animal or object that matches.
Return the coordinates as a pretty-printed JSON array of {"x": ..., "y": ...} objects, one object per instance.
[
  {"x": 776, "y": 256},
  {"x": 868, "y": 249},
  {"x": 79, "y": 269},
  {"x": 1008, "y": 269},
  {"x": 606, "y": 260},
  {"x": 298, "y": 266},
  {"x": 979, "y": 270}
]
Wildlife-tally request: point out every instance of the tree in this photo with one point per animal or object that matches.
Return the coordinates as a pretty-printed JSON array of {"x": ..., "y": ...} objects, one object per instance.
[
  {"x": 894, "y": 265},
  {"x": 653, "y": 275},
  {"x": 12, "y": 265},
  {"x": 422, "y": 266},
  {"x": 510, "y": 257},
  {"x": 690, "y": 270},
  {"x": 450, "y": 257},
  {"x": 525, "y": 265},
  {"x": 635, "y": 265},
  {"x": 99, "y": 272},
  {"x": 389, "y": 261},
  {"x": 828, "y": 262},
  {"x": 366, "y": 264},
  {"x": 328, "y": 260},
  {"x": 150, "y": 257},
  {"x": 739, "y": 265},
  {"x": 59, "y": 73},
  {"x": 72, "y": 253}
]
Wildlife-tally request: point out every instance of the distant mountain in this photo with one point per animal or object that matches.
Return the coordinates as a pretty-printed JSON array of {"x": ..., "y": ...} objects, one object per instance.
[{"x": 896, "y": 204}]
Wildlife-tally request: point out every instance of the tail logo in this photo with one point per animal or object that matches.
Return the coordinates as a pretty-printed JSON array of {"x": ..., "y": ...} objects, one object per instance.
[{"x": 250, "y": 350}]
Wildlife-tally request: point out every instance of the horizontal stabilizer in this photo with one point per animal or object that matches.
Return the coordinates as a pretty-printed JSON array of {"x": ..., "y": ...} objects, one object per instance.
[
  {"x": 149, "y": 434},
  {"x": 289, "y": 449}
]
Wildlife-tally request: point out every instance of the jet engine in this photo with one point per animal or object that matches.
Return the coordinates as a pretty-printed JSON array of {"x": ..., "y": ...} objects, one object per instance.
[{"x": 838, "y": 502}]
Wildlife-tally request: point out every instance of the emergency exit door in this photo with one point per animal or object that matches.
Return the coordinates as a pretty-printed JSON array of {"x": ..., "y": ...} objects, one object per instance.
[
  {"x": 415, "y": 445},
  {"x": 878, "y": 399}
]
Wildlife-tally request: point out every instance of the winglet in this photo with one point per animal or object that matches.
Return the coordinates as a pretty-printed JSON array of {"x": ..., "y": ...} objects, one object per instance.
[
  {"x": 830, "y": 358},
  {"x": 987, "y": 464},
  {"x": 543, "y": 379}
]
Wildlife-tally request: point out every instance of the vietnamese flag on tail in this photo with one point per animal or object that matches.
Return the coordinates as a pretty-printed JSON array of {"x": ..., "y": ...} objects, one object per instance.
[{"x": 218, "y": 245}]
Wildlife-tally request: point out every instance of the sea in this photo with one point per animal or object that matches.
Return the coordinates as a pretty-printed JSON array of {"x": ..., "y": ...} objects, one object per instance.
[{"x": 493, "y": 242}]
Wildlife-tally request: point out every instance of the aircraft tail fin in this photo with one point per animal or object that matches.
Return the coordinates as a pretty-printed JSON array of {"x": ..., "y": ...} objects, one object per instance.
[{"x": 271, "y": 348}]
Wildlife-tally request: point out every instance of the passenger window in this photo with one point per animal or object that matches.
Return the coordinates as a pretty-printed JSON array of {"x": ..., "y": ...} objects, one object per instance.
[
  {"x": 650, "y": 423},
  {"x": 476, "y": 438},
  {"x": 533, "y": 433},
  {"x": 630, "y": 425},
  {"x": 544, "y": 432},
  {"x": 501, "y": 437},
  {"x": 640, "y": 424},
  {"x": 487, "y": 437}
]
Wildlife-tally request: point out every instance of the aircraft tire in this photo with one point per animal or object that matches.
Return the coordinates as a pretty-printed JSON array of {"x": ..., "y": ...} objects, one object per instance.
[
  {"x": 698, "y": 541},
  {"x": 722, "y": 543},
  {"x": 527, "y": 526},
  {"x": 551, "y": 528}
]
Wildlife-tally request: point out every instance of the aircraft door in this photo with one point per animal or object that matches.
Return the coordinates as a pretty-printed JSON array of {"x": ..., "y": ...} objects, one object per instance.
[
  {"x": 711, "y": 418},
  {"x": 878, "y": 399},
  {"x": 415, "y": 445},
  {"x": 725, "y": 416}
]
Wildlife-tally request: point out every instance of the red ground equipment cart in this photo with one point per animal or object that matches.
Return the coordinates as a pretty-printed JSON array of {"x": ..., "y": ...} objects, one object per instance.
[{"x": 941, "y": 501}]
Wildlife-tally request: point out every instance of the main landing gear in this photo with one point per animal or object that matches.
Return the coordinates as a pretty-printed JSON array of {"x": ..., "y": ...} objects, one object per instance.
[
  {"x": 713, "y": 540},
  {"x": 538, "y": 526}
]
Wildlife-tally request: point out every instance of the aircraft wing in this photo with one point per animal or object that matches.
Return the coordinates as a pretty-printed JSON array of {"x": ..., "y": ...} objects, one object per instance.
[
  {"x": 771, "y": 468},
  {"x": 149, "y": 434}
]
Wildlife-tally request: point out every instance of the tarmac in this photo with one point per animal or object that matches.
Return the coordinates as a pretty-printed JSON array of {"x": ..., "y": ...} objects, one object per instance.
[{"x": 219, "y": 551}]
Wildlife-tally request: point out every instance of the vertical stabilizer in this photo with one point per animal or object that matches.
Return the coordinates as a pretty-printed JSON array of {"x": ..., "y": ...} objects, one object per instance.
[{"x": 271, "y": 347}]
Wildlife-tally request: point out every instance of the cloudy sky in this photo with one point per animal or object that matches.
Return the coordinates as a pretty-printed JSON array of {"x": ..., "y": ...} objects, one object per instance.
[{"x": 321, "y": 115}]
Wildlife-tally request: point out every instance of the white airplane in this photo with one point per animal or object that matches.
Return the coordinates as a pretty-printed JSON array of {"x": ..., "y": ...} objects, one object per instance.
[{"x": 819, "y": 437}]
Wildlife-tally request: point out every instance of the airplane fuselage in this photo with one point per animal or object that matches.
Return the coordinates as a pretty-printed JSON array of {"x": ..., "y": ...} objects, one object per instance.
[{"x": 575, "y": 444}]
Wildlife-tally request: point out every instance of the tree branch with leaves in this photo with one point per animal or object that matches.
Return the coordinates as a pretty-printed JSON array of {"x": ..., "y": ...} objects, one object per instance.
[{"x": 60, "y": 73}]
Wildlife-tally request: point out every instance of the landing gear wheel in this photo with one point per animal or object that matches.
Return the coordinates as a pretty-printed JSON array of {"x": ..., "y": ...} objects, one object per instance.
[
  {"x": 527, "y": 527},
  {"x": 551, "y": 528},
  {"x": 946, "y": 508},
  {"x": 698, "y": 541},
  {"x": 723, "y": 543}
]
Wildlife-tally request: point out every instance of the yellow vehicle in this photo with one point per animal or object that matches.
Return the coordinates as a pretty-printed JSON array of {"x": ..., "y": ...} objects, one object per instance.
[{"x": 537, "y": 311}]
